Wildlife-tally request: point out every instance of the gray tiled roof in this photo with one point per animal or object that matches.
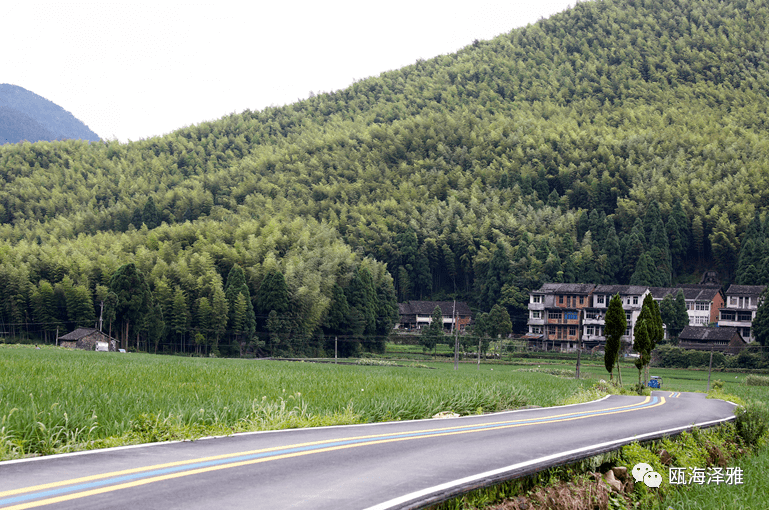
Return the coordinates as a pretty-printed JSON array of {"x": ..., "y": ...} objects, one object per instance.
[
  {"x": 745, "y": 290},
  {"x": 705, "y": 333},
  {"x": 566, "y": 288},
  {"x": 620, "y": 289},
  {"x": 427, "y": 307},
  {"x": 78, "y": 334},
  {"x": 691, "y": 292}
]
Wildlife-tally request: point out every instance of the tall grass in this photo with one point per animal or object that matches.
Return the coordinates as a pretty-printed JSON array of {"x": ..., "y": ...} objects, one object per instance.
[{"x": 54, "y": 400}]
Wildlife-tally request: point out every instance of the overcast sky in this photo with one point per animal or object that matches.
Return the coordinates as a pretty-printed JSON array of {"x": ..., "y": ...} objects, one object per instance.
[{"x": 133, "y": 70}]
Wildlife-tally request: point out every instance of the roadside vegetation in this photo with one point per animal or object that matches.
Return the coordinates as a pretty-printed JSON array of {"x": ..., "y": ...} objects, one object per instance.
[
  {"x": 57, "y": 400},
  {"x": 606, "y": 482}
]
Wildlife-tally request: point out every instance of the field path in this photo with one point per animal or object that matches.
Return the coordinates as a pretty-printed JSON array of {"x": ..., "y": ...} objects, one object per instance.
[{"x": 388, "y": 465}]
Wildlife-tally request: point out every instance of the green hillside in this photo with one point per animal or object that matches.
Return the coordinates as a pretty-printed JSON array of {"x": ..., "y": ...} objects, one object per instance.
[{"x": 618, "y": 142}]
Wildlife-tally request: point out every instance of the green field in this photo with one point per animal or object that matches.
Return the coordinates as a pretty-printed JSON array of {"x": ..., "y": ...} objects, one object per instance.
[{"x": 54, "y": 400}]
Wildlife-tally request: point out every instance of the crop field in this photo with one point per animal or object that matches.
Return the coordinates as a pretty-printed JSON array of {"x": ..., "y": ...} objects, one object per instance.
[{"x": 56, "y": 400}]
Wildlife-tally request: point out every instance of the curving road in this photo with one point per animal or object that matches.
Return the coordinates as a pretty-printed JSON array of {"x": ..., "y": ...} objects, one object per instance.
[{"x": 379, "y": 466}]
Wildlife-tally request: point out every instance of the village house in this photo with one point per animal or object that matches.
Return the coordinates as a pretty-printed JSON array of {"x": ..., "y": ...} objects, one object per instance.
[
  {"x": 727, "y": 339},
  {"x": 740, "y": 308},
  {"x": 416, "y": 314},
  {"x": 89, "y": 339},
  {"x": 632, "y": 297},
  {"x": 556, "y": 314},
  {"x": 703, "y": 302}
]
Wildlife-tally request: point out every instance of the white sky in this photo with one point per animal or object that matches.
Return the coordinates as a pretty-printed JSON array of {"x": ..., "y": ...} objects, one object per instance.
[{"x": 137, "y": 69}]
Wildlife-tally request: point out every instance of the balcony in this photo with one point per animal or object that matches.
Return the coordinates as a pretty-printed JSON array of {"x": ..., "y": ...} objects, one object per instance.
[{"x": 572, "y": 322}]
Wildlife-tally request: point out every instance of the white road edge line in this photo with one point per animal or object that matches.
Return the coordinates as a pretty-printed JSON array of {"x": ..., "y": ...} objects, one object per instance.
[{"x": 394, "y": 503}]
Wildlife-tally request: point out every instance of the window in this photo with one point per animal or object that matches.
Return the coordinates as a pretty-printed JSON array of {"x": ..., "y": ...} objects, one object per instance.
[
  {"x": 572, "y": 330},
  {"x": 536, "y": 299},
  {"x": 745, "y": 333},
  {"x": 599, "y": 300},
  {"x": 635, "y": 300},
  {"x": 628, "y": 315},
  {"x": 536, "y": 314},
  {"x": 702, "y": 306},
  {"x": 589, "y": 330},
  {"x": 582, "y": 300},
  {"x": 744, "y": 316},
  {"x": 554, "y": 315},
  {"x": 627, "y": 331},
  {"x": 733, "y": 301},
  {"x": 727, "y": 316},
  {"x": 560, "y": 300},
  {"x": 591, "y": 315},
  {"x": 551, "y": 330},
  {"x": 571, "y": 316},
  {"x": 536, "y": 330}
]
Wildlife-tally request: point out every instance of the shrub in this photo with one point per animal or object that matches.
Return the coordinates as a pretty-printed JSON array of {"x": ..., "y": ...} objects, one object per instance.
[
  {"x": 751, "y": 422},
  {"x": 757, "y": 380}
]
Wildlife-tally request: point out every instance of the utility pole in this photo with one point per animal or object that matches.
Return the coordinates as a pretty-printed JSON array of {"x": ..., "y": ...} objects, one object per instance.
[
  {"x": 335, "y": 351},
  {"x": 101, "y": 314},
  {"x": 456, "y": 336},
  {"x": 710, "y": 366}
]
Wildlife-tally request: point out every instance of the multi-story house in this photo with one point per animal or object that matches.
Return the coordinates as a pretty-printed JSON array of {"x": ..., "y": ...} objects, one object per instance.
[
  {"x": 556, "y": 313},
  {"x": 740, "y": 307},
  {"x": 632, "y": 296},
  {"x": 702, "y": 301}
]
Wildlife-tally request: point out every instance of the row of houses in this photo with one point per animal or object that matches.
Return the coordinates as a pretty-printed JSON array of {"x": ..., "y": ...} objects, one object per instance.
[{"x": 563, "y": 315}]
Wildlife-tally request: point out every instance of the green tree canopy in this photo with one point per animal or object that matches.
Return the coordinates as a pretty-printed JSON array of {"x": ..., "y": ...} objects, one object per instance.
[{"x": 615, "y": 326}]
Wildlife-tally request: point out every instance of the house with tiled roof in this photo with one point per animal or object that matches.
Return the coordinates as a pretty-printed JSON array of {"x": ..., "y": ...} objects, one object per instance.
[
  {"x": 417, "y": 314},
  {"x": 632, "y": 297},
  {"x": 703, "y": 302},
  {"x": 89, "y": 339},
  {"x": 727, "y": 339},
  {"x": 556, "y": 312},
  {"x": 739, "y": 310}
]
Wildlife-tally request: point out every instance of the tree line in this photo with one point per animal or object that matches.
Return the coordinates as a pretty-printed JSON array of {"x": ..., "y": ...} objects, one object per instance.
[{"x": 617, "y": 142}]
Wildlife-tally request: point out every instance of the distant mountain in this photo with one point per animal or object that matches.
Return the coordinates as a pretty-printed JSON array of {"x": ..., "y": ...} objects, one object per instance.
[{"x": 26, "y": 116}]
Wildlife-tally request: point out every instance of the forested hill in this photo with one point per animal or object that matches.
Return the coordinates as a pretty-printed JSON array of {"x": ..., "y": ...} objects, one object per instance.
[
  {"x": 26, "y": 116},
  {"x": 618, "y": 142}
]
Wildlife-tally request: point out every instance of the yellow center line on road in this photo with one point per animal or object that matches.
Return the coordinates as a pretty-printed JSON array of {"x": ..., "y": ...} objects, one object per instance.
[{"x": 437, "y": 432}]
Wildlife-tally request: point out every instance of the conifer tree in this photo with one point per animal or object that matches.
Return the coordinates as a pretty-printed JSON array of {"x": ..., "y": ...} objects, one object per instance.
[
  {"x": 761, "y": 321},
  {"x": 641, "y": 343},
  {"x": 615, "y": 326}
]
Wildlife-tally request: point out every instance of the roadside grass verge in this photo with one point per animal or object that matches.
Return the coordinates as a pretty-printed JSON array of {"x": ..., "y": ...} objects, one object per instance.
[{"x": 58, "y": 400}]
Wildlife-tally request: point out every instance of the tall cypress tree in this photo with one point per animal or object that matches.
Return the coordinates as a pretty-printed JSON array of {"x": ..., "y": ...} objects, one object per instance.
[{"x": 615, "y": 326}]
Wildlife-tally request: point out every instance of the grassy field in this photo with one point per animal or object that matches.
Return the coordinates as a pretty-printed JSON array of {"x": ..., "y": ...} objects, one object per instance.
[{"x": 54, "y": 400}]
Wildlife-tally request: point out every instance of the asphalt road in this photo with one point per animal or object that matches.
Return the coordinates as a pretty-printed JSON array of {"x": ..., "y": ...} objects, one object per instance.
[{"x": 387, "y": 465}]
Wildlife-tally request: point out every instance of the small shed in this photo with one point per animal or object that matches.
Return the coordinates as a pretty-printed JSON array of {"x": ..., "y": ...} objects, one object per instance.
[
  {"x": 724, "y": 339},
  {"x": 88, "y": 339}
]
